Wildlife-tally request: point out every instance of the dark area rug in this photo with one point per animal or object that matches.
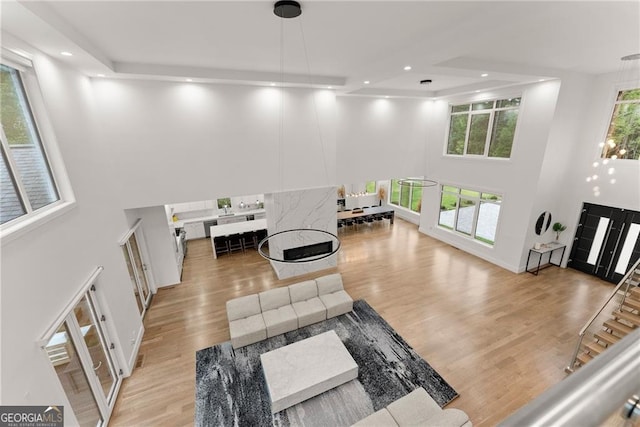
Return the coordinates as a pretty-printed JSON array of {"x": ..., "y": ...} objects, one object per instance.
[{"x": 230, "y": 386}]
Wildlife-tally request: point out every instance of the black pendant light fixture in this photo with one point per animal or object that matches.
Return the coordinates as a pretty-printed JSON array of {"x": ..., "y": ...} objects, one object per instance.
[
  {"x": 313, "y": 244},
  {"x": 287, "y": 9}
]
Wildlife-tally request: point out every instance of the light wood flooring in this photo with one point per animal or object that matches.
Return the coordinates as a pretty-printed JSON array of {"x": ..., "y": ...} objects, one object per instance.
[{"x": 498, "y": 338}]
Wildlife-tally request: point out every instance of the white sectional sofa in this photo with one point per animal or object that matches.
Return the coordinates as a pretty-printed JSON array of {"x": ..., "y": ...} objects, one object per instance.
[
  {"x": 416, "y": 409},
  {"x": 253, "y": 318}
]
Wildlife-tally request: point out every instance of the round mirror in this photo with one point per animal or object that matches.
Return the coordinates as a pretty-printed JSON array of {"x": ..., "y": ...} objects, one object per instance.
[{"x": 543, "y": 222}]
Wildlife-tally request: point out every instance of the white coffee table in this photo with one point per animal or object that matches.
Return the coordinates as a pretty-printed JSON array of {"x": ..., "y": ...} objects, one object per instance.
[{"x": 307, "y": 368}]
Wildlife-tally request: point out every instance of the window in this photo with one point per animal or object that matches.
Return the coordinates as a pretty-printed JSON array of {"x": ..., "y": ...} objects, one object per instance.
[
  {"x": 224, "y": 203},
  {"x": 26, "y": 181},
  {"x": 483, "y": 128},
  {"x": 370, "y": 187},
  {"x": 623, "y": 136},
  {"x": 472, "y": 213},
  {"x": 408, "y": 196}
]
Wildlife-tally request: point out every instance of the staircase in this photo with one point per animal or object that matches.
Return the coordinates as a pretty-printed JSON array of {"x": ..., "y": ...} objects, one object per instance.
[{"x": 624, "y": 318}]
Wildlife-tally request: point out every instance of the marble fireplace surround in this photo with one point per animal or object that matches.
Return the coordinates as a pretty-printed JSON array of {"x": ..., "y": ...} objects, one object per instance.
[{"x": 312, "y": 208}]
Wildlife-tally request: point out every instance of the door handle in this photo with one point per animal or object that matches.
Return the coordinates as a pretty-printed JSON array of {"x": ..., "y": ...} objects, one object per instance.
[{"x": 98, "y": 367}]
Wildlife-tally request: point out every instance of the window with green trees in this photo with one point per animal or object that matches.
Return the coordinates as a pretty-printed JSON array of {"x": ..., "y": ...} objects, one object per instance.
[
  {"x": 483, "y": 128},
  {"x": 623, "y": 136},
  {"x": 370, "y": 187},
  {"x": 408, "y": 195}
]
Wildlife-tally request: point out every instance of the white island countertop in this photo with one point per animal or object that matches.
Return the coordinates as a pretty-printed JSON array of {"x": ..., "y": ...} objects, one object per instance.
[
  {"x": 236, "y": 227},
  {"x": 180, "y": 223}
]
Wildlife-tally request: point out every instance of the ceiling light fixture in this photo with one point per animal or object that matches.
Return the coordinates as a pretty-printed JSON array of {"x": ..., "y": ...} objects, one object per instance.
[
  {"x": 367, "y": 82},
  {"x": 189, "y": 80},
  {"x": 407, "y": 67},
  {"x": 65, "y": 53},
  {"x": 484, "y": 75},
  {"x": 417, "y": 182},
  {"x": 273, "y": 246},
  {"x": 100, "y": 75}
]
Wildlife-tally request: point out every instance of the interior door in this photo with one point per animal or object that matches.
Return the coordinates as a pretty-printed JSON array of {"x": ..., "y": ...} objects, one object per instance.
[
  {"x": 81, "y": 353},
  {"x": 607, "y": 242}
]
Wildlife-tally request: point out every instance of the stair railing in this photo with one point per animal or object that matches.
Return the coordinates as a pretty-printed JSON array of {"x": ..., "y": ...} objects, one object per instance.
[{"x": 624, "y": 280}]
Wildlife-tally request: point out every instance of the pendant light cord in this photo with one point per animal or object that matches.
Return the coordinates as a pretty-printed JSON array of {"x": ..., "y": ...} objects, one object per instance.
[{"x": 315, "y": 105}]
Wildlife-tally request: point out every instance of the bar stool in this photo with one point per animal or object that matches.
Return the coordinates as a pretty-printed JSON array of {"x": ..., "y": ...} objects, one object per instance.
[
  {"x": 221, "y": 245},
  {"x": 235, "y": 243},
  {"x": 249, "y": 240}
]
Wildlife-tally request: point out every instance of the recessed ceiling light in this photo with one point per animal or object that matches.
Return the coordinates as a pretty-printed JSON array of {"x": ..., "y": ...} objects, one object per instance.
[
  {"x": 407, "y": 67},
  {"x": 541, "y": 80},
  {"x": 189, "y": 80},
  {"x": 272, "y": 84},
  {"x": 367, "y": 82},
  {"x": 65, "y": 53},
  {"x": 484, "y": 75},
  {"x": 100, "y": 75},
  {"x": 329, "y": 87},
  {"x": 477, "y": 91},
  {"x": 387, "y": 96}
]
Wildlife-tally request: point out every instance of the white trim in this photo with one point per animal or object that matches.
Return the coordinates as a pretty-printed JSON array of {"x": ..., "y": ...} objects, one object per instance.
[
  {"x": 123, "y": 241},
  {"x": 14, "y": 59},
  {"x": 14, "y": 229},
  {"x": 42, "y": 342},
  {"x": 134, "y": 354}
]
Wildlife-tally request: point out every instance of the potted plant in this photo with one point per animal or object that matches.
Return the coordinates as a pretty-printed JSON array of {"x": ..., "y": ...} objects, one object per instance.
[
  {"x": 382, "y": 195},
  {"x": 558, "y": 228}
]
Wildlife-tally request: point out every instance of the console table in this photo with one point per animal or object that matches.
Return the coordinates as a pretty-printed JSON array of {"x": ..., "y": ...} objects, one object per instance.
[{"x": 547, "y": 248}]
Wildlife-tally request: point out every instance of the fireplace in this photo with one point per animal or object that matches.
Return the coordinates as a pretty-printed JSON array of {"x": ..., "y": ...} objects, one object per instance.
[{"x": 308, "y": 251}]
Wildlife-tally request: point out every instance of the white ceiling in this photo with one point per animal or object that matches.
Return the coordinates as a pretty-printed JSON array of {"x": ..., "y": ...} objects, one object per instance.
[{"x": 345, "y": 42}]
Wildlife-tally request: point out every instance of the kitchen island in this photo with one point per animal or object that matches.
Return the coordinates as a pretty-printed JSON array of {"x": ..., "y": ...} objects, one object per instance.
[{"x": 235, "y": 228}]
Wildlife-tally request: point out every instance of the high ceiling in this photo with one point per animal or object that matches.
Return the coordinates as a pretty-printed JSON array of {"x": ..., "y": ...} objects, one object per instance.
[{"x": 336, "y": 43}]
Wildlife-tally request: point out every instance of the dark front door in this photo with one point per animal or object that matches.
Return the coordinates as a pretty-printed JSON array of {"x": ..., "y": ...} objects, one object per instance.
[{"x": 607, "y": 241}]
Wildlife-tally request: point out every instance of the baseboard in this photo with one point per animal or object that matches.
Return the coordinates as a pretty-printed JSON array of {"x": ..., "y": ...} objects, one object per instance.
[
  {"x": 470, "y": 250},
  {"x": 134, "y": 353}
]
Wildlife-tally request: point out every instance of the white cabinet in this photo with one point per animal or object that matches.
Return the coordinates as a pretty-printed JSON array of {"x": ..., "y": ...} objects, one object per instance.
[{"x": 194, "y": 230}]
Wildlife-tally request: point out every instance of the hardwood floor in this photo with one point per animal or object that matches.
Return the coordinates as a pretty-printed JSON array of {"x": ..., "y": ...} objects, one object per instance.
[{"x": 498, "y": 338}]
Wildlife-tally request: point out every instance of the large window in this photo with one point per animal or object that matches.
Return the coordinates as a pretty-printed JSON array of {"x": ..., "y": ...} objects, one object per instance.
[
  {"x": 472, "y": 213},
  {"x": 26, "y": 181},
  {"x": 408, "y": 196},
  {"x": 483, "y": 128},
  {"x": 623, "y": 136}
]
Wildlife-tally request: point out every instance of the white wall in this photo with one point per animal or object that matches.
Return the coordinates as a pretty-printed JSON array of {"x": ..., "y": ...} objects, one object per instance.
[
  {"x": 380, "y": 138},
  {"x": 179, "y": 142},
  {"x": 160, "y": 243},
  {"x": 590, "y": 130},
  {"x": 516, "y": 179},
  {"x": 45, "y": 268}
]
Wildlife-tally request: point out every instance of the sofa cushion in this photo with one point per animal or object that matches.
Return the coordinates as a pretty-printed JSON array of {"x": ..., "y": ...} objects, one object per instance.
[
  {"x": 242, "y": 307},
  {"x": 450, "y": 418},
  {"x": 310, "y": 311},
  {"x": 382, "y": 418},
  {"x": 303, "y": 291},
  {"x": 274, "y": 298},
  {"x": 280, "y": 320},
  {"x": 414, "y": 409},
  {"x": 337, "y": 303},
  {"x": 329, "y": 284},
  {"x": 247, "y": 331}
]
